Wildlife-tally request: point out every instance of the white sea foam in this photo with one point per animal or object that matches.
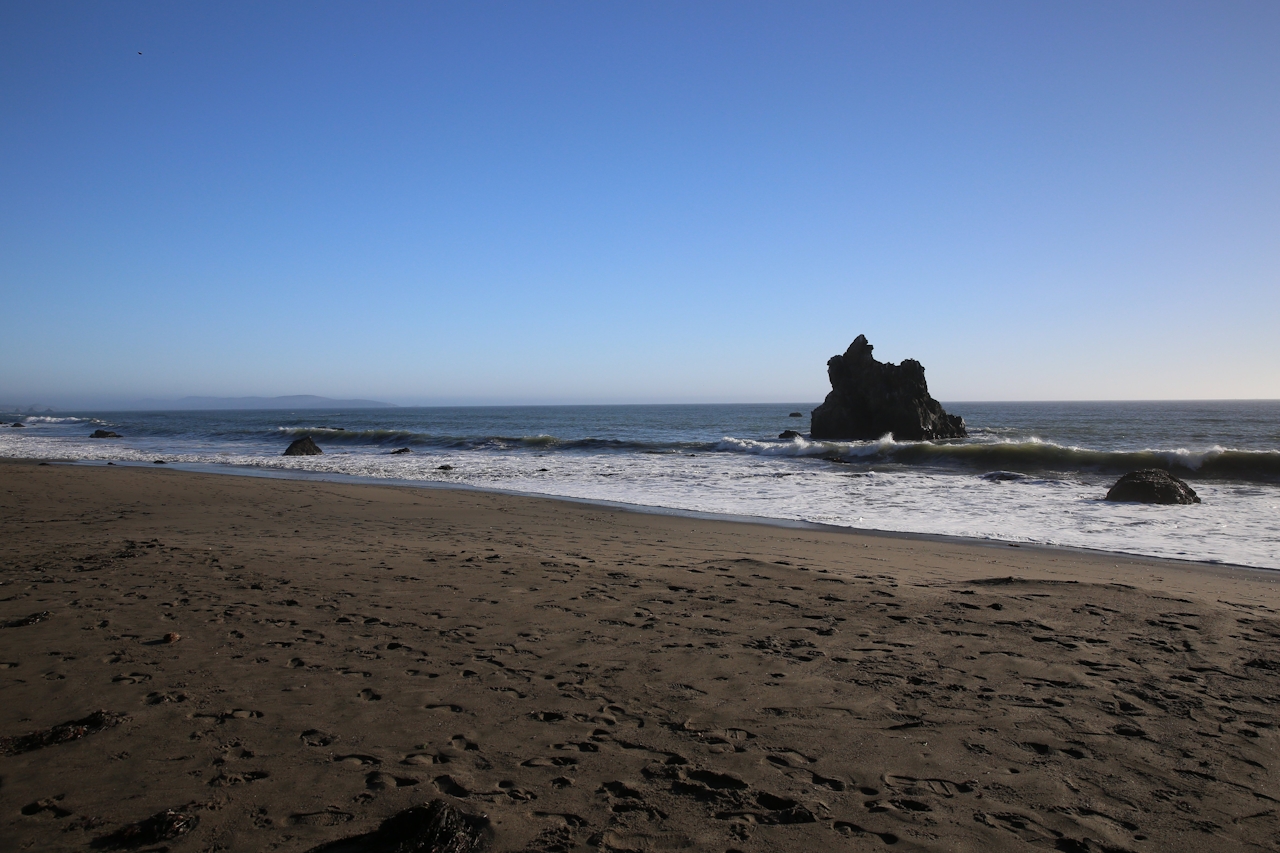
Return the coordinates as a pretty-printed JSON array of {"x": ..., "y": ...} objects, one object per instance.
[
  {"x": 45, "y": 419},
  {"x": 1236, "y": 523}
]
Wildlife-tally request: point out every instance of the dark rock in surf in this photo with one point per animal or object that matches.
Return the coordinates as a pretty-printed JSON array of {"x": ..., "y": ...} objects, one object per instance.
[
  {"x": 434, "y": 828},
  {"x": 401, "y": 450},
  {"x": 105, "y": 433},
  {"x": 869, "y": 399},
  {"x": 444, "y": 468},
  {"x": 303, "y": 447},
  {"x": 788, "y": 434},
  {"x": 1003, "y": 476},
  {"x": 19, "y": 425},
  {"x": 796, "y": 415},
  {"x": 1152, "y": 486},
  {"x": 159, "y": 462}
]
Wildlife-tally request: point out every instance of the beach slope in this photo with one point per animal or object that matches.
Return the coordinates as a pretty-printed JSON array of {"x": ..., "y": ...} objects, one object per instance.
[{"x": 287, "y": 663}]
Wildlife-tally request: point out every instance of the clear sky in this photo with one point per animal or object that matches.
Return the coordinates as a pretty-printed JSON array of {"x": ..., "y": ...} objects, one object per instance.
[{"x": 634, "y": 202}]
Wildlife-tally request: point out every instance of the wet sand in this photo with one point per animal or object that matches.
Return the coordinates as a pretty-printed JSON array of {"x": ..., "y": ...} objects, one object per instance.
[{"x": 287, "y": 663}]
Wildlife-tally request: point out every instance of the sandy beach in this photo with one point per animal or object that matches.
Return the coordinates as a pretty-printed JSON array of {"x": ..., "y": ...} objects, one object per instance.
[{"x": 286, "y": 663}]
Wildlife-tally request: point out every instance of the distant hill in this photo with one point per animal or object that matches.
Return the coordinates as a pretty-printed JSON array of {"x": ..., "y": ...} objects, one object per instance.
[{"x": 293, "y": 401}]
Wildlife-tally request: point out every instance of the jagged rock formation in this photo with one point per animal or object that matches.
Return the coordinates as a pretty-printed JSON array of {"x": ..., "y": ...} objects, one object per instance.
[
  {"x": 1152, "y": 486},
  {"x": 303, "y": 447},
  {"x": 869, "y": 399}
]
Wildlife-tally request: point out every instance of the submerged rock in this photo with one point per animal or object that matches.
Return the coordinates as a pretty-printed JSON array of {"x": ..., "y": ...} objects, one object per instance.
[
  {"x": 19, "y": 424},
  {"x": 434, "y": 828},
  {"x": 304, "y": 446},
  {"x": 796, "y": 415},
  {"x": 788, "y": 433},
  {"x": 104, "y": 433},
  {"x": 401, "y": 450},
  {"x": 1152, "y": 486},
  {"x": 869, "y": 399}
]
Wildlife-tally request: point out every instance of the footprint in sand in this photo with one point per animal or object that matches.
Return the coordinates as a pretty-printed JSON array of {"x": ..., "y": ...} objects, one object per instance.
[
  {"x": 331, "y": 817},
  {"x": 378, "y": 781},
  {"x": 315, "y": 737},
  {"x": 844, "y": 827},
  {"x": 451, "y": 786},
  {"x": 556, "y": 761},
  {"x": 227, "y": 780},
  {"x": 131, "y": 678}
]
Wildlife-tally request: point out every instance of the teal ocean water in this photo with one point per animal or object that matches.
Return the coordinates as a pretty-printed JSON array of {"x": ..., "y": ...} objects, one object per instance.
[{"x": 1029, "y": 472}]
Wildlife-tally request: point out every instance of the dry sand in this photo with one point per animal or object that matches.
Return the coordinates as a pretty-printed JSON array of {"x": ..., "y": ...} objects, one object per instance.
[{"x": 592, "y": 678}]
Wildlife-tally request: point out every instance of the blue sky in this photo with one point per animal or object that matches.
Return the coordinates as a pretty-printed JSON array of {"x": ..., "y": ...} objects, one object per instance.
[{"x": 634, "y": 202}]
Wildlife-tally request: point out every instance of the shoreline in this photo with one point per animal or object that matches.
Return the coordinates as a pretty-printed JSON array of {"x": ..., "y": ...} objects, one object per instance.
[
  {"x": 289, "y": 663},
  {"x": 647, "y": 509}
]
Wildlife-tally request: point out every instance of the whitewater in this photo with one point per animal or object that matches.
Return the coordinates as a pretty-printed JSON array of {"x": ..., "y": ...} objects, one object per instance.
[{"x": 1028, "y": 473}]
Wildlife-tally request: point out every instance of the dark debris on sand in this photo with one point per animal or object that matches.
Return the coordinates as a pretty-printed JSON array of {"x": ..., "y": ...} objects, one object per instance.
[
  {"x": 434, "y": 828},
  {"x": 68, "y": 731},
  {"x": 161, "y": 826},
  {"x": 27, "y": 620}
]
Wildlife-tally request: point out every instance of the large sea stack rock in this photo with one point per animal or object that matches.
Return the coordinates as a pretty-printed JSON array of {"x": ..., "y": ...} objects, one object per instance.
[
  {"x": 303, "y": 447},
  {"x": 869, "y": 399},
  {"x": 1152, "y": 486}
]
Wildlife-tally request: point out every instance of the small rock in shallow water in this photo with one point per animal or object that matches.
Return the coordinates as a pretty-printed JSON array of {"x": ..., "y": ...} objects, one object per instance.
[
  {"x": 401, "y": 450},
  {"x": 445, "y": 468},
  {"x": 1152, "y": 486},
  {"x": 304, "y": 446},
  {"x": 105, "y": 433}
]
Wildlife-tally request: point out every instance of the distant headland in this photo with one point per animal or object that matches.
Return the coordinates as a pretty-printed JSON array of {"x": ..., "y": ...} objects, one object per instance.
[{"x": 292, "y": 401}]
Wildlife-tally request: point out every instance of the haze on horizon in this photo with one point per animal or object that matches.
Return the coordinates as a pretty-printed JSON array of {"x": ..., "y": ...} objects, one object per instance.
[{"x": 435, "y": 203}]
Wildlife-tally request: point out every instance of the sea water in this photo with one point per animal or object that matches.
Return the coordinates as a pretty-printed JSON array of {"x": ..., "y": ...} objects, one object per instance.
[{"x": 1028, "y": 472}]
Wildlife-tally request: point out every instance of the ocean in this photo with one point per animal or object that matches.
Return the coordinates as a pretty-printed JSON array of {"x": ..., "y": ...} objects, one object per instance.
[{"x": 1029, "y": 472}]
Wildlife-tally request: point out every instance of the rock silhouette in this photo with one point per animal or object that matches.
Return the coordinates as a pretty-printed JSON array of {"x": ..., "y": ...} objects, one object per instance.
[
  {"x": 1152, "y": 486},
  {"x": 869, "y": 399},
  {"x": 304, "y": 446},
  {"x": 105, "y": 433}
]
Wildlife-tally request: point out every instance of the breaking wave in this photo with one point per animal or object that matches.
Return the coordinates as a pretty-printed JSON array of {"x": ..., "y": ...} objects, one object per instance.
[
  {"x": 1028, "y": 456},
  {"x": 45, "y": 419}
]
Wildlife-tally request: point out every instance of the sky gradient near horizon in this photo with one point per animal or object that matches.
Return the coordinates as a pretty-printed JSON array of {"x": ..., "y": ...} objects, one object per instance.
[{"x": 650, "y": 202}]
